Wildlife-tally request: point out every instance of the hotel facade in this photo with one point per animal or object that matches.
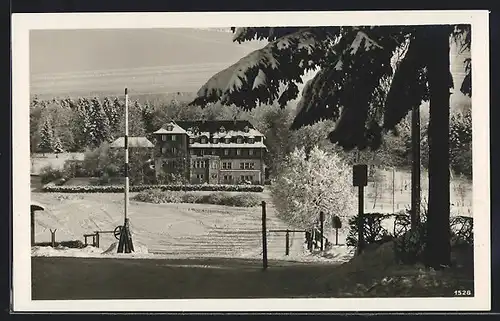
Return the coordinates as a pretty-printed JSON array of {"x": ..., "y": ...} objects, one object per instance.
[{"x": 212, "y": 152}]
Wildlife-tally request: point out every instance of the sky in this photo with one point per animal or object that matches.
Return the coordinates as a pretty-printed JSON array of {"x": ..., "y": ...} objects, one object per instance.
[
  {"x": 145, "y": 60},
  {"x": 83, "y": 62}
]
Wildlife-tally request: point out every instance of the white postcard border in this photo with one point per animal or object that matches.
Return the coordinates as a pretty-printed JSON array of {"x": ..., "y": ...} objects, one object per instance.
[{"x": 23, "y": 23}]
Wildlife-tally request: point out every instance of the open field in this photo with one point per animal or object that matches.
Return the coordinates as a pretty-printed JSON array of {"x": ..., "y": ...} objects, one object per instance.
[{"x": 169, "y": 229}]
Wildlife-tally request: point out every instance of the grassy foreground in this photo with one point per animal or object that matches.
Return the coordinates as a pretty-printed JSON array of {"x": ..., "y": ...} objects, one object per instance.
[{"x": 373, "y": 274}]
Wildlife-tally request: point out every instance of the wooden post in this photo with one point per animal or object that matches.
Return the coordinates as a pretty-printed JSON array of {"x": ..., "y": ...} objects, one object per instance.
[
  {"x": 360, "y": 175},
  {"x": 32, "y": 228},
  {"x": 97, "y": 239},
  {"x": 415, "y": 171},
  {"x": 308, "y": 240},
  {"x": 264, "y": 236},
  {"x": 393, "y": 189},
  {"x": 322, "y": 221},
  {"x": 53, "y": 237},
  {"x": 287, "y": 242},
  {"x": 336, "y": 236},
  {"x": 361, "y": 222}
]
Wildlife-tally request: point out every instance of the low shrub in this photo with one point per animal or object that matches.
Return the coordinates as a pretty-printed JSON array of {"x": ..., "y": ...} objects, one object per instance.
[
  {"x": 53, "y": 188},
  {"x": 461, "y": 228},
  {"x": 374, "y": 232},
  {"x": 244, "y": 200},
  {"x": 218, "y": 198},
  {"x": 49, "y": 174},
  {"x": 191, "y": 198},
  {"x": 158, "y": 196},
  {"x": 75, "y": 244},
  {"x": 409, "y": 248}
]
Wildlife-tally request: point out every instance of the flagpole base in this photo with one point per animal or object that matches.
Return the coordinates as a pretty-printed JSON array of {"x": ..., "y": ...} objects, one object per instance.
[{"x": 125, "y": 244}]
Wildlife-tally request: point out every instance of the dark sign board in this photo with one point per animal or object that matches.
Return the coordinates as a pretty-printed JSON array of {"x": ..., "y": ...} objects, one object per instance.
[{"x": 360, "y": 175}]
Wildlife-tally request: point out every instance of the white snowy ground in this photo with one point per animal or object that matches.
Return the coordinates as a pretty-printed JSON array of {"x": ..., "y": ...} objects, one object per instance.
[{"x": 168, "y": 230}]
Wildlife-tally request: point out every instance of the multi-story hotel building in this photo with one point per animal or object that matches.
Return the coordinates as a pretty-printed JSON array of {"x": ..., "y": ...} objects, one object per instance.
[{"x": 213, "y": 152}]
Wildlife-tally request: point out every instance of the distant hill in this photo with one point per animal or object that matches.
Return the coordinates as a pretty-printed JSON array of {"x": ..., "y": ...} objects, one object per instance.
[{"x": 140, "y": 97}]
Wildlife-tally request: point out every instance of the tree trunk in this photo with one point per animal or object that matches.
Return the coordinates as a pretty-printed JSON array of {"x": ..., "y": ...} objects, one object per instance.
[{"x": 438, "y": 250}]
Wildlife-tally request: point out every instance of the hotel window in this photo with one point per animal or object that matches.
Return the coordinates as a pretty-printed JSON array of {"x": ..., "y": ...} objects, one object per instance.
[
  {"x": 174, "y": 138},
  {"x": 203, "y": 140},
  {"x": 191, "y": 140},
  {"x": 191, "y": 151},
  {"x": 226, "y": 152},
  {"x": 239, "y": 140},
  {"x": 249, "y": 166},
  {"x": 215, "y": 140},
  {"x": 250, "y": 152},
  {"x": 250, "y": 140},
  {"x": 242, "y": 165},
  {"x": 202, "y": 152},
  {"x": 199, "y": 176},
  {"x": 199, "y": 164},
  {"x": 226, "y": 165},
  {"x": 228, "y": 140},
  {"x": 163, "y": 137},
  {"x": 238, "y": 152},
  {"x": 213, "y": 151}
]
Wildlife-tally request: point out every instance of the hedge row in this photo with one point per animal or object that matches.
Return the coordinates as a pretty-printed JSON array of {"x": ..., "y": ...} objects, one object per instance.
[
  {"x": 217, "y": 198},
  {"x": 53, "y": 187}
]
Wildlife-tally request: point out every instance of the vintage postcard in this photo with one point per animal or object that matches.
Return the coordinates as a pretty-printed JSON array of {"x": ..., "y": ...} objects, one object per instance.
[{"x": 251, "y": 162}]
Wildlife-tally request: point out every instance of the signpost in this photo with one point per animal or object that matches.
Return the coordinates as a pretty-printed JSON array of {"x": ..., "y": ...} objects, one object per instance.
[
  {"x": 336, "y": 225},
  {"x": 360, "y": 179}
]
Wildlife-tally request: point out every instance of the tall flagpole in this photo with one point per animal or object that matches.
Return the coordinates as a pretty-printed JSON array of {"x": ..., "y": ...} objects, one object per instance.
[
  {"x": 125, "y": 243},
  {"x": 126, "y": 155}
]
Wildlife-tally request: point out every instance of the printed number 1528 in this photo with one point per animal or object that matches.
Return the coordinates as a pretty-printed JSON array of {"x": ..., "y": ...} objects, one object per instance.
[{"x": 463, "y": 292}]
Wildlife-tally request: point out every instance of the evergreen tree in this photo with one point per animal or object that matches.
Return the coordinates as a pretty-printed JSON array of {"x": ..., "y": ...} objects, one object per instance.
[
  {"x": 112, "y": 110},
  {"x": 81, "y": 124},
  {"x": 58, "y": 147},
  {"x": 147, "y": 116},
  {"x": 99, "y": 130},
  {"x": 46, "y": 135}
]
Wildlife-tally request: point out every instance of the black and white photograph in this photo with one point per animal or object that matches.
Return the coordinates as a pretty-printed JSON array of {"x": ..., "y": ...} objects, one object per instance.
[{"x": 326, "y": 161}]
